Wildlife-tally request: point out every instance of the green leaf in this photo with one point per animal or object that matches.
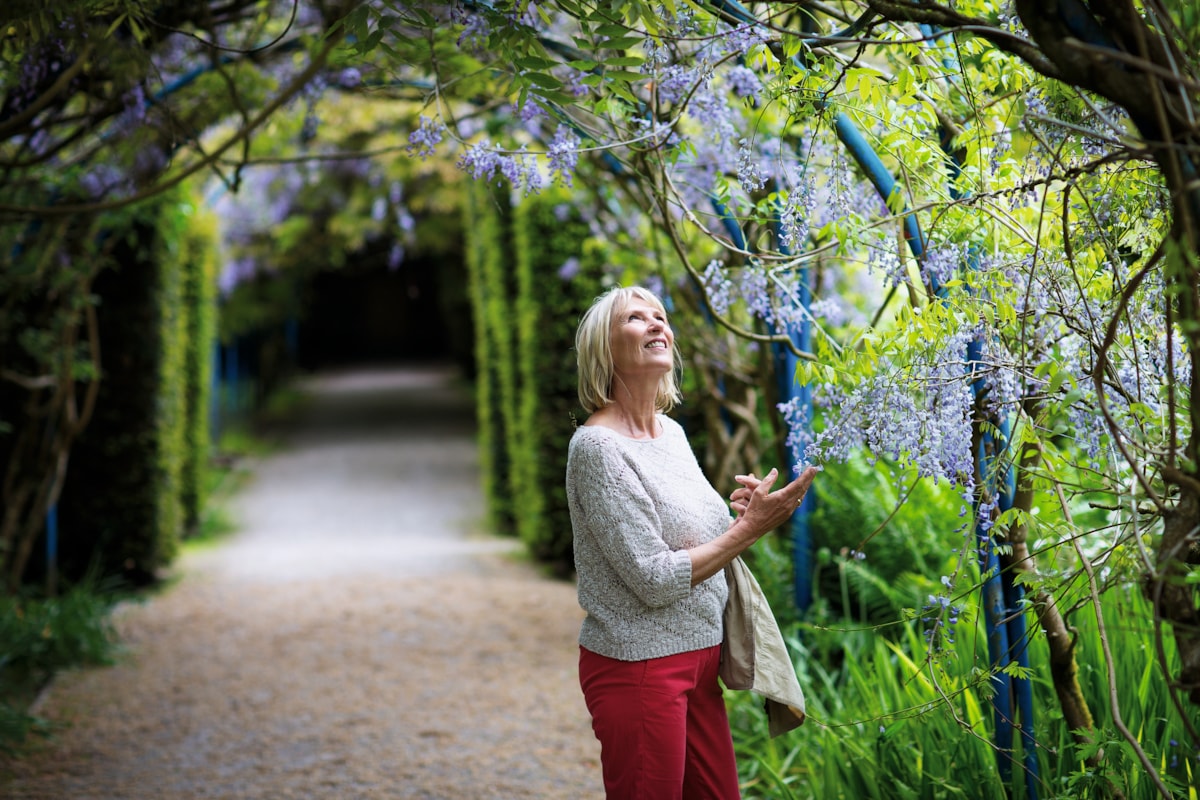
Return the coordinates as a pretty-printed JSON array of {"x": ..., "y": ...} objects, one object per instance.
[
  {"x": 543, "y": 80},
  {"x": 621, "y": 42},
  {"x": 624, "y": 61},
  {"x": 612, "y": 30},
  {"x": 623, "y": 75},
  {"x": 534, "y": 62}
]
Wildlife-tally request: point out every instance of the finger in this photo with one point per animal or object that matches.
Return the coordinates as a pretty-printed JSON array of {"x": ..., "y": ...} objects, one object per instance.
[
  {"x": 747, "y": 480},
  {"x": 767, "y": 482},
  {"x": 799, "y": 487}
]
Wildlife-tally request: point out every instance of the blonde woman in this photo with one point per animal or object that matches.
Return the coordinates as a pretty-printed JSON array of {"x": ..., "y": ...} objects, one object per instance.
[{"x": 652, "y": 538}]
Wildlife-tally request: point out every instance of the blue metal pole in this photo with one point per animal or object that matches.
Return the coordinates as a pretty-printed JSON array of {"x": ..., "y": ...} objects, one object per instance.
[
  {"x": 1010, "y": 613},
  {"x": 786, "y": 363},
  {"x": 52, "y": 550},
  {"x": 785, "y": 370},
  {"x": 992, "y": 595}
]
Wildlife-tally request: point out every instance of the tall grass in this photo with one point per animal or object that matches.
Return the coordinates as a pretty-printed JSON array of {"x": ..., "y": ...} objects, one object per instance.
[{"x": 887, "y": 720}]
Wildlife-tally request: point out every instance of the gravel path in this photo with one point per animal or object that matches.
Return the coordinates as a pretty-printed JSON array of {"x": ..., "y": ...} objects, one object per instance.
[{"x": 360, "y": 637}]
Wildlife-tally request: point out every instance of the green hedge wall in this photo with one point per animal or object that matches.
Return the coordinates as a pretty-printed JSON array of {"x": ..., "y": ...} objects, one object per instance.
[
  {"x": 126, "y": 497},
  {"x": 199, "y": 267},
  {"x": 487, "y": 214},
  {"x": 558, "y": 277}
]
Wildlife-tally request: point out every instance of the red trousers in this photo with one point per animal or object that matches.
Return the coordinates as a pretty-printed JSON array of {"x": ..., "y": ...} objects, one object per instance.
[{"x": 662, "y": 726}]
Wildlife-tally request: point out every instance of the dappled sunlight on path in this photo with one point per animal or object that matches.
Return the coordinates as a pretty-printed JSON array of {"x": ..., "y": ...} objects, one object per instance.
[{"x": 360, "y": 637}]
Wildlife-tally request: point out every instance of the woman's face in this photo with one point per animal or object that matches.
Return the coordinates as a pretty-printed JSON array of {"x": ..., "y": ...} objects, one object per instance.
[{"x": 642, "y": 341}]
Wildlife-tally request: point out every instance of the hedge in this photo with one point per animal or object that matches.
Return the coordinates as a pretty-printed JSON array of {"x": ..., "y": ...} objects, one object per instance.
[
  {"x": 488, "y": 250},
  {"x": 133, "y": 478},
  {"x": 559, "y": 274},
  {"x": 533, "y": 272}
]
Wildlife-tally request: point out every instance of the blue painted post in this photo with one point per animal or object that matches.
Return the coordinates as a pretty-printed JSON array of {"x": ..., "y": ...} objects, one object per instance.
[
  {"x": 1010, "y": 613},
  {"x": 214, "y": 395},
  {"x": 785, "y": 371},
  {"x": 786, "y": 363},
  {"x": 52, "y": 550}
]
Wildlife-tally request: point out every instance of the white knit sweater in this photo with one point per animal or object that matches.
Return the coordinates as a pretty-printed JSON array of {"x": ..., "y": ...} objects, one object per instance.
[{"x": 636, "y": 507}]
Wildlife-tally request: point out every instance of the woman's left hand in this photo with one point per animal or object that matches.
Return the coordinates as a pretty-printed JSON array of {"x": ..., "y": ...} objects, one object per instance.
[{"x": 740, "y": 498}]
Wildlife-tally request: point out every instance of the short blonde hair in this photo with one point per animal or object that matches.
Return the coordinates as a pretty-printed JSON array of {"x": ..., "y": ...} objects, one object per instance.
[{"x": 593, "y": 351}]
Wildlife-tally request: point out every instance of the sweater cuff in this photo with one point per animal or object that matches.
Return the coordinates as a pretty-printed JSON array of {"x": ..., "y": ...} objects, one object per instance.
[{"x": 683, "y": 570}]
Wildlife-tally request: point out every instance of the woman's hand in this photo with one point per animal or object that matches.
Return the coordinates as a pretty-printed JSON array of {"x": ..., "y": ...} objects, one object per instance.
[
  {"x": 766, "y": 510},
  {"x": 759, "y": 510}
]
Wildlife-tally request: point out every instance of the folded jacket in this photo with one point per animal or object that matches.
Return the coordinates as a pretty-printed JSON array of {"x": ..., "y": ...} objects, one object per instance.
[{"x": 753, "y": 655}]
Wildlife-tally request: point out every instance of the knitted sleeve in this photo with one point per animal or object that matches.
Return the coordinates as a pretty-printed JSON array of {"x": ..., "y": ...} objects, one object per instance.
[{"x": 619, "y": 514}]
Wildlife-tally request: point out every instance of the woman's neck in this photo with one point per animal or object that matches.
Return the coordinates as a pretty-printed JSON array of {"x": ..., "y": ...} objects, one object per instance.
[{"x": 634, "y": 420}]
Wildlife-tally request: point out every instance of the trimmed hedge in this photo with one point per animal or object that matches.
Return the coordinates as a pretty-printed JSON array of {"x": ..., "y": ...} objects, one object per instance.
[
  {"x": 527, "y": 297},
  {"x": 133, "y": 478},
  {"x": 553, "y": 292},
  {"x": 199, "y": 265},
  {"x": 487, "y": 213}
]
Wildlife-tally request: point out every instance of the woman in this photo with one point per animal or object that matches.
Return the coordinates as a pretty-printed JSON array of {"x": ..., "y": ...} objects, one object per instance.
[{"x": 652, "y": 538}]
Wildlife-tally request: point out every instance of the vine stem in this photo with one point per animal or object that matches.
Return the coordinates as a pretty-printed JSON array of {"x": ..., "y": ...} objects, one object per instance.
[
  {"x": 1108, "y": 657},
  {"x": 283, "y": 97}
]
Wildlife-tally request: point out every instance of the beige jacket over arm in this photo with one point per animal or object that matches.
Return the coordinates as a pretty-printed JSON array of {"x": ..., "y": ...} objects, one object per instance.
[{"x": 754, "y": 656}]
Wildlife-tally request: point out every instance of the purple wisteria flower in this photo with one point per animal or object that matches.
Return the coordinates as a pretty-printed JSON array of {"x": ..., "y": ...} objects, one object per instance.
[
  {"x": 569, "y": 269},
  {"x": 749, "y": 169},
  {"x": 717, "y": 287},
  {"x": 563, "y": 154},
  {"x": 886, "y": 260},
  {"x": 480, "y": 160},
  {"x": 424, "y": 140},
  {"x": 475, "y": 34},
  {"x": 743, "y": 82},
  {"x": 918, "y": 413},
  {"x": 941, "y": 261},
  {"x": 795, "y": 215}
]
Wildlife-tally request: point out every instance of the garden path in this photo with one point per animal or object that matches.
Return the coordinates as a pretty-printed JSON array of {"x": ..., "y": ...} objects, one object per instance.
[{"x": 358, "y": 637}]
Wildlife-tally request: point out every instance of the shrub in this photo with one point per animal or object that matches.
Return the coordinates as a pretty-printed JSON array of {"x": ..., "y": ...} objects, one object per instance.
[{"x": 39, "y": 637}]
